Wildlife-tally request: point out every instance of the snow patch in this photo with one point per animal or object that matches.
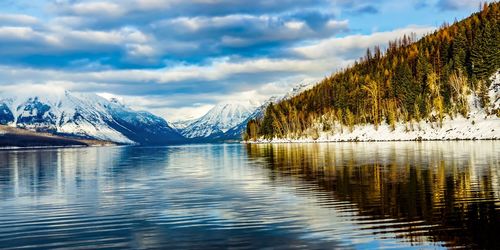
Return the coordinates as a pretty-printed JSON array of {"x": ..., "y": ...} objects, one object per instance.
[
  {"x": 218, "y": 120},
  {"x": 477, "y": 126},
  {"x": 80, "y": 114},
  {"x": 230, "y": 119}
]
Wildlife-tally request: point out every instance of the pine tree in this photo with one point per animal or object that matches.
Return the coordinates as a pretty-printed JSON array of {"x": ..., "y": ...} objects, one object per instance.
[
  {"x": 427, "y": 79},
  {"x": 405, "y": 88},
  {"x": 266, "y": 128}
]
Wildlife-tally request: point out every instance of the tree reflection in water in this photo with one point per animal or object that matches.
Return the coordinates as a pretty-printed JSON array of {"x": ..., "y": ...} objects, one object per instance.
[{"x": 422, "y": 191}]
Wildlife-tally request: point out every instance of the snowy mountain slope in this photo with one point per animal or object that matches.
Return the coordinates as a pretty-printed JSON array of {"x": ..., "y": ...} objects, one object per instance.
[
  {"x": 228, "y": 121},
  {"x": 301, "y": 87},
  {"x": 236, "y": 131},
  {"x": 218, "y": 120},
  {"x": 182, "y": 124},
  {"x": 83, "y": 115}
]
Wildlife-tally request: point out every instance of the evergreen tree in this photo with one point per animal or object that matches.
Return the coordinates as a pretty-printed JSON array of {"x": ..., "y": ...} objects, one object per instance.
[{"x": 412, "y": 80}]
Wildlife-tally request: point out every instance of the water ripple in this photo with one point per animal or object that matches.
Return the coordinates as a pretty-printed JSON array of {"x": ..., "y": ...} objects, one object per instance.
[{"x": 312, "y": 196}]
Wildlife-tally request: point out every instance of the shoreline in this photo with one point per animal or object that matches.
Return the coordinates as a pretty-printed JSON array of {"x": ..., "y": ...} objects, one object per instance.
[
  {"x": 476, "y": 127},
  {"x": 5, "y": 148},
  {"x": 283, "y": 141}
]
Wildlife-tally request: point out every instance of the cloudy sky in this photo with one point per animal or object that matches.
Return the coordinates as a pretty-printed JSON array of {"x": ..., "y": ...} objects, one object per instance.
[{"x": 177, "y": 58}]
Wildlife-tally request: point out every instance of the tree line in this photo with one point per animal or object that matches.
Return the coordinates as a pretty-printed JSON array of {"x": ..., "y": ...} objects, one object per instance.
[{"x": 408, "y": 82}]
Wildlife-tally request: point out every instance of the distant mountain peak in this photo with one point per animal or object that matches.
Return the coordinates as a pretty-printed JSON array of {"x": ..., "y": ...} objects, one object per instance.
[
  {"x": 217, "y": 120},
  {"x": 84, "y": 115},
  {"x": 227, "y": 119}
]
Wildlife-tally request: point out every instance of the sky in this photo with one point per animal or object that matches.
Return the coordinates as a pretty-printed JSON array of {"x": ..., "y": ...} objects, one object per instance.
[{"x": 178, "y": 58}]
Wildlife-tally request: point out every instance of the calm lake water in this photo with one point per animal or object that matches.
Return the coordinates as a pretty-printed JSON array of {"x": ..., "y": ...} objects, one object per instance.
[{"x": 320, "y": 196}]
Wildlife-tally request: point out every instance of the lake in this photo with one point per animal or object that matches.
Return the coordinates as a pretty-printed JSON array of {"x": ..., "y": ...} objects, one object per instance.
[{"x": 300, "y": 196}]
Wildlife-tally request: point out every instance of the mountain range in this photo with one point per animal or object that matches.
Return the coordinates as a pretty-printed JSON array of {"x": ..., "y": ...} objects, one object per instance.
[
  {"x": 216, "y": 122},
  {"x": 86, "y": 116},
  {"x": 89, "y": 116},
  {"x": 227, "y": 121}
]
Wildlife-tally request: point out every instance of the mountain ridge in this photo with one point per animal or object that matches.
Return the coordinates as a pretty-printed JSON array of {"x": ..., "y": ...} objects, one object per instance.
[
  {"x": 207, "y": 127},
  {"x": 217, "y": 121},
  {"x": 80, "y": 116},
  {"x": 86, "y": 116}
]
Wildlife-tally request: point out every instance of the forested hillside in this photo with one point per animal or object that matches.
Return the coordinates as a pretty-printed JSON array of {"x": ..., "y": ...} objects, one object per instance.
[{"x": 411, "y": 81}]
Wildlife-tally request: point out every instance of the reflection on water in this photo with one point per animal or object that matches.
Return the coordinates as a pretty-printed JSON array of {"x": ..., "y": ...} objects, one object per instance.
[
  {"x": 445, "y": 192},
  {"x": 320, "y": 196}
]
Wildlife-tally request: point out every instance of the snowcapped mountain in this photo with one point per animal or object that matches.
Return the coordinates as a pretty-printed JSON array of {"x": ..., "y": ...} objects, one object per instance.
[
  {"x": 91, "y": 116},
  {"x": 182, "y": 124},
  {"x": 301, "y": 87},
  {"x": 217, "y": 121},
  {"x": 228, "y": 121},
  {"x": 84, "y": 115},
  {"x": 236, "y": 131}
]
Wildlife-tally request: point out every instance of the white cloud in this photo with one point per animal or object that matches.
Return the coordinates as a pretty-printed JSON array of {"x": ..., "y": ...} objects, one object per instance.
[
  {"x": 154, "y": 4},
  {"x": 17, "y": 19},
  {"x": 182, "y": 113},
  {"x": 98, "y": 8},
  {"x": 344, "y": 46},
  {"x": 17, "y": 33},
  {"x": 117, "y": 37},
  {"x": 257, "y": 28},
  {"x": 140, "y": 50},
  {"x": 202, "y": 102},
  {"x": 54, "y": 39},
  {"x": 26, "y": 90},
  {"x": 62, "y": 22},
  {"x": 214, "y": 74},
  {"x": 338, "y": 24},
  {"x": 295, "y": 25},
  {"x": 217, "y": 70},
  {"x": 257, "y": 95},
  {"x": 163, "y": 106}
]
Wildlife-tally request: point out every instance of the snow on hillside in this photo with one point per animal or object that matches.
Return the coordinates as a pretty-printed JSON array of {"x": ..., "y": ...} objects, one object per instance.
[
  {"x": 218, "y": 120},
  {"x": 494, "y": 91},
  {"x": 228, "y": 120},
  {"x": 62, "y": 112},
  {"x": 478, "y": 125},
  {"x": 182, "y": 124},
  {"x": 259, "y": 111},
  {"x": 301, "y": 87},
  {"x": 83, "y": 115}
]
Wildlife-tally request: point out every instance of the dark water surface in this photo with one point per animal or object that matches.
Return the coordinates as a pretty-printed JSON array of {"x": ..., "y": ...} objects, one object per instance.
[{"x": 323, "y": 196}]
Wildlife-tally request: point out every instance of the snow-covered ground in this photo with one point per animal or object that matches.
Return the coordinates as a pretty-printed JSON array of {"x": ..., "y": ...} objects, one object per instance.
[
  {"x": 477, "y": 126},
  {"x": 458, "y": 128}
]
